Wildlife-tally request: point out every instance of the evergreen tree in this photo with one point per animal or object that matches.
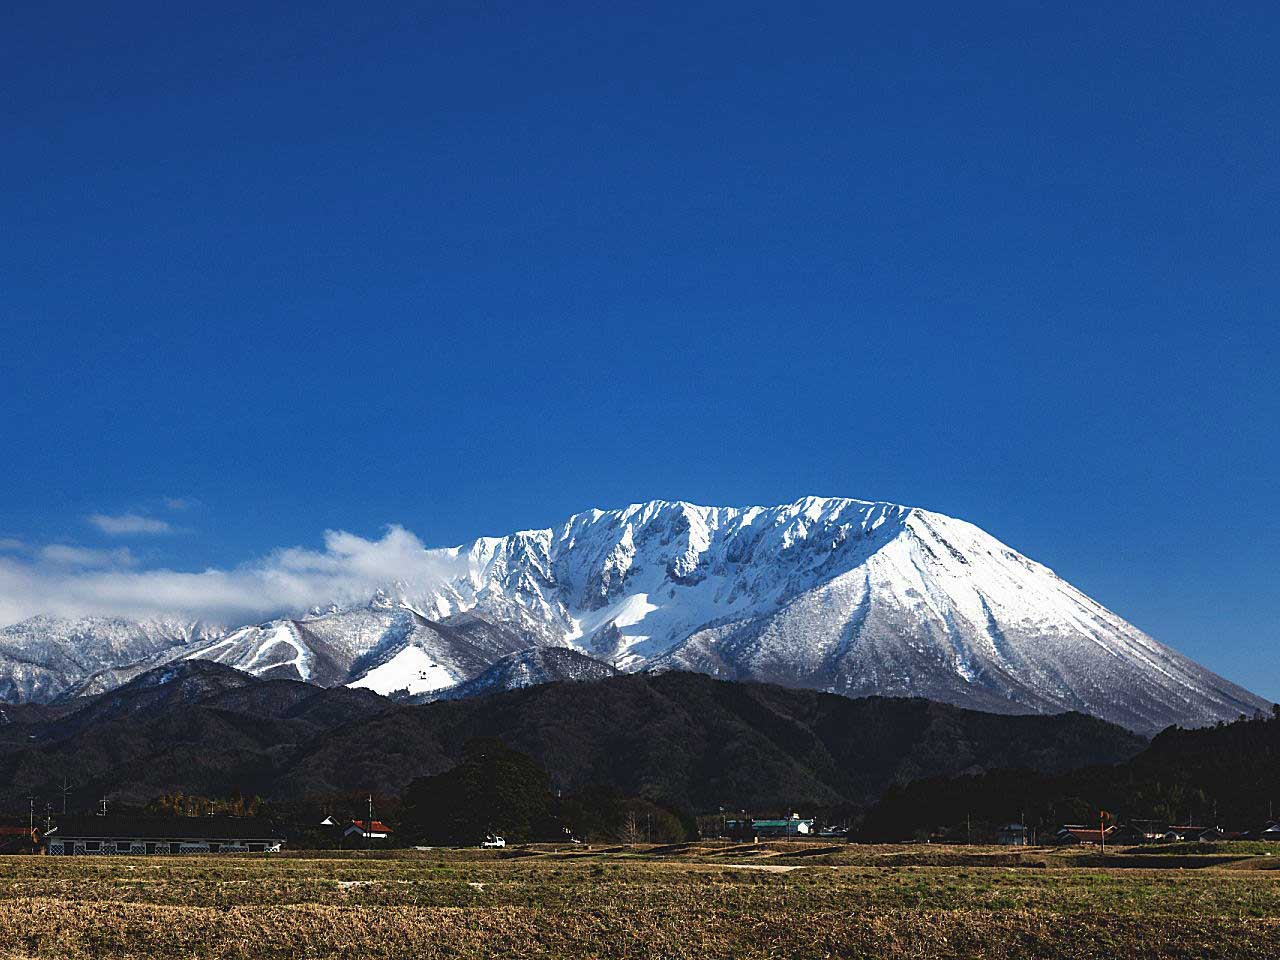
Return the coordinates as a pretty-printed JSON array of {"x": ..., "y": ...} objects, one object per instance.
[{"x": 493, "y": 791}]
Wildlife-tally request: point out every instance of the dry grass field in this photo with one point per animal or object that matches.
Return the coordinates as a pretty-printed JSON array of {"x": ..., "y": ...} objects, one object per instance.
[{"x": 709, "y": 901}]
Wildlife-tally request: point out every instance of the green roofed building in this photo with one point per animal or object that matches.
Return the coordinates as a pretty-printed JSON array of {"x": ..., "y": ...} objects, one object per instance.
[{"x": 793, "y": 826}]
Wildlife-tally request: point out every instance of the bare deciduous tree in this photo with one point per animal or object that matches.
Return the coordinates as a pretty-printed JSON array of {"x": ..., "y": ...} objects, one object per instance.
[{"x": 630, "y": 833}]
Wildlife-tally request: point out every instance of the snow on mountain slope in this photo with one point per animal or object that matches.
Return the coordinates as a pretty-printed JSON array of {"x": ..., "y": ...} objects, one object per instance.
[
  {"x": 835, "y": 594},
  {"x": 44, "y": 657},
  {"x": 527, "y": 668},
  {"x": 411, "y": 670},
  {"x": 628, "y": 584},
  {"x": 945, "y": 611},
  {"x": 384, "y": 647},
  {"x": 45, "y": 660},
  {"x": 273, "y": 650}
]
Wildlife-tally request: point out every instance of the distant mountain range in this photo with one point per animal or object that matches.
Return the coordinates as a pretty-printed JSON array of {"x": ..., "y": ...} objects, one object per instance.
[
  {"x": 838, "y": 595},
  {"x": 198, "y": 727}
]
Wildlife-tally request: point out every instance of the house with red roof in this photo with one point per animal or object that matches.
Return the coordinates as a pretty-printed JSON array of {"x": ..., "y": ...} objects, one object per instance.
[
  {"x": 367, "y": 830},
  {"x": 1076, "y": 835}
]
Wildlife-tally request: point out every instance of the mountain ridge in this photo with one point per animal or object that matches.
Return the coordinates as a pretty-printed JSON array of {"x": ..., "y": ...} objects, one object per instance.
[{"x": 849, "y": 596}]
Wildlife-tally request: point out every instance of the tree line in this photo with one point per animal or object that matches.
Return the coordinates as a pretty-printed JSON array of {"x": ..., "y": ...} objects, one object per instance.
[{"x": 493, "y": 791}]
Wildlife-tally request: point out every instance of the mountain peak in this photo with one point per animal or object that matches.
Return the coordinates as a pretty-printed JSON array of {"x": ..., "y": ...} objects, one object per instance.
[{"x": 853, "y": 596}]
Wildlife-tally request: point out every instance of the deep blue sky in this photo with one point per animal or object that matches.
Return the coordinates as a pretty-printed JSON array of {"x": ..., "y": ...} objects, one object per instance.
[{"x": 470, "y": 268}]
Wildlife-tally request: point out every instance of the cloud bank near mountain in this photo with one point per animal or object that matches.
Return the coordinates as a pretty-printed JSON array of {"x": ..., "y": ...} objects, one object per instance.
[{"x": 73, "y": 581}]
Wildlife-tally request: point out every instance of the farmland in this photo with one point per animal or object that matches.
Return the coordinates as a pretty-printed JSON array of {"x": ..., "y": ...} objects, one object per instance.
[{"x": 801, "y": 900}]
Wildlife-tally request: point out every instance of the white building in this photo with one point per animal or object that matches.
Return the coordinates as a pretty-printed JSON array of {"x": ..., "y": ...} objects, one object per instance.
[{"x": 75, "y": 836}]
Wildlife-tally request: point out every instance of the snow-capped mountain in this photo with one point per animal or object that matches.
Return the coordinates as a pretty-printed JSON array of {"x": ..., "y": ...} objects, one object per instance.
[
  {"x": 384, "y": 647},
  {"x": 833, "y": 594},
  {"x": 45, "y": 657}
]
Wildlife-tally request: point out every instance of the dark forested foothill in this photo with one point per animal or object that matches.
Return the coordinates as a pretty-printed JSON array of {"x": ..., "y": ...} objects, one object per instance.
[
  {"x": 1228, "y": 775},
  {"x": 684, "y": 741},
  {"x": 625, "y": 756}
]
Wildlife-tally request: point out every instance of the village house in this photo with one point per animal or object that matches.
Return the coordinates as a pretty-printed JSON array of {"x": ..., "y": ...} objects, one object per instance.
[
  {"x": 1139, "y": 831},
  {"x": 366, "y": 830},
  {"x": 1142, "y": 831},
  {"x": 1013, "y": 835},
  {"x": 1129, "y": 834},
  {"x": 1077, "y": 835},
  {"x": 161, "y": 835}
]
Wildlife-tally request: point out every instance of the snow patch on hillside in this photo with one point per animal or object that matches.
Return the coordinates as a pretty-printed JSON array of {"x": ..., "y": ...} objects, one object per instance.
[{"x": 411, "y": 671}]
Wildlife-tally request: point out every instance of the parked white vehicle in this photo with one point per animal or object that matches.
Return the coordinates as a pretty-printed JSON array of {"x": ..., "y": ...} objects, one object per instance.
[{"x": 493, "y": 842}]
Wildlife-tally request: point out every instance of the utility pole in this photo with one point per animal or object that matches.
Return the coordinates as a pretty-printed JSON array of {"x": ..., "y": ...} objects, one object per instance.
[
  {"x": 104, "y": 807},
  {"x": 368, "y": 826},
  {"x": 1102, "y": 830},
  {"x": 31, "y": 814},
  {"x": 66, "y": 788}
]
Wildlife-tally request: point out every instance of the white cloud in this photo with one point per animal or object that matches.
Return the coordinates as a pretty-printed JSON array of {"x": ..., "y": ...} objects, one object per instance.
[
  {"x": 70, "y": 581},
  {"x": 11, "y": 543},
  {"x": 128, "y": 523},
  {"x": 180, "y": 503},
  {"x": 62, "y": 555}
]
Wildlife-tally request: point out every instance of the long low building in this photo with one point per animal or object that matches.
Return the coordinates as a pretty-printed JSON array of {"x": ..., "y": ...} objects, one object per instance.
[
  {"x": 793, "y": 826},
  {"x": 73, "y": 836}
]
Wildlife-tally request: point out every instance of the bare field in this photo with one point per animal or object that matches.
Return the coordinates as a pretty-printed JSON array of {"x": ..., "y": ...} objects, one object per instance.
[{"x": 706, "y": 901}]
